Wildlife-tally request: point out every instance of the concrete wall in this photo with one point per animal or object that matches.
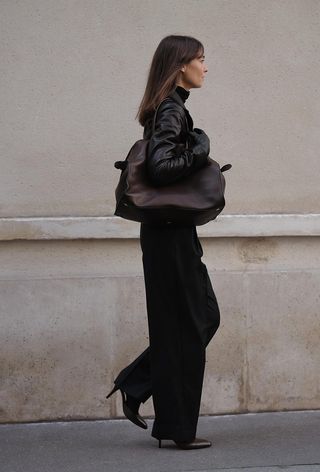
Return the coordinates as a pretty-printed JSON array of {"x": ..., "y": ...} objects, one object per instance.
[
  {"x": 72, "y": 295},
  {"x": 73, "y": 314}
]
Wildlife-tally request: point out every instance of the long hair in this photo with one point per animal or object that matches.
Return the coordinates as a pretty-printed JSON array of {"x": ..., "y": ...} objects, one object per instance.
[{"x": 171, "y": 54}]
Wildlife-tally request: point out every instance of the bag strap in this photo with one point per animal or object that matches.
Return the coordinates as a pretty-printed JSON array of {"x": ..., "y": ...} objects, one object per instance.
[
  {"x": 155, "y": 114},
  {"x": 154, "y": 120}
]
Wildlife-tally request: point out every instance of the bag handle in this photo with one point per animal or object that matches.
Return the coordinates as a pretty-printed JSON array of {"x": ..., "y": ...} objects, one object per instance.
[
  {"x": 154, "y": 121},
  {"x": 155, "y": 114},
  {"x": 123, "y": 164}
]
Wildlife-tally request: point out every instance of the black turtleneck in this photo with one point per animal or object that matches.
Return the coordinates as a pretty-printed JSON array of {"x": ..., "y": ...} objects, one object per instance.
[{"x": 183, "y": 93}]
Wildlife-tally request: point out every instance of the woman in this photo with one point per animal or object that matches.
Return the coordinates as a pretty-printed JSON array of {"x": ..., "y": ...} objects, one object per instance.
[{"x": 183, "y": 313}]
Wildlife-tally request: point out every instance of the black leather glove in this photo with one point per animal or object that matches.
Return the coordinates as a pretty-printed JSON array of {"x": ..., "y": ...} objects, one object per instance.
[
  {"x": 200, "y": 145},
  {"x": 201, "y": 142}
]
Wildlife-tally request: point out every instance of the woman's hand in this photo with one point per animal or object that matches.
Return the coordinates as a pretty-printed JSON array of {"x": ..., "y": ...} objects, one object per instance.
[{"x": 200, "y": 142}]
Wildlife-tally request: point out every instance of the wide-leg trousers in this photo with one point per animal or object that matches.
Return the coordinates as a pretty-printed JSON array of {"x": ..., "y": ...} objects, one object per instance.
[{"x": 183, "y": 315}]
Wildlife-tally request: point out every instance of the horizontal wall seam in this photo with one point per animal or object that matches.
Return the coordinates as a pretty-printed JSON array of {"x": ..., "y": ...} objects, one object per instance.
[
  {"x": 114, "y": 227},
  {"x": 139, "y": 275}
]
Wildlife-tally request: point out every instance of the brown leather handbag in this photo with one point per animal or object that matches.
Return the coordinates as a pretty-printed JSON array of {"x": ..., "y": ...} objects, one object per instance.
[{"x": 193, "y": 200}]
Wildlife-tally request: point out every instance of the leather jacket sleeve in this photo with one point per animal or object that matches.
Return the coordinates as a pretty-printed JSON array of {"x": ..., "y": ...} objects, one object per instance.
[{"x": 168, "y": 159}]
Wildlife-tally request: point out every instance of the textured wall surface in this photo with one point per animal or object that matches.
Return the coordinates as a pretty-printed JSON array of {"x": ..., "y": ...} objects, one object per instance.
[
  {"x": 72, "y": 309},
  {"x": 73, "y": 314},
  {"x": 73, "y": 75}
]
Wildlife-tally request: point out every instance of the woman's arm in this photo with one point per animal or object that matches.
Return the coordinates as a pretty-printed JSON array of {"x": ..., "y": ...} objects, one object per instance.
[{"x": 168, "y": 159}]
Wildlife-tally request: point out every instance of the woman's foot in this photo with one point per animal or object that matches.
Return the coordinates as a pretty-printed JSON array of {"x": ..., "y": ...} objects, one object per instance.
[
  {"x": 130, "y": 406},
  {"x": 196, "y": 443}
]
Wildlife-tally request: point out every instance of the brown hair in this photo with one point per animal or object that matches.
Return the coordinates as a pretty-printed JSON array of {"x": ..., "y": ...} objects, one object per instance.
[{"x": 171, "y": 54}]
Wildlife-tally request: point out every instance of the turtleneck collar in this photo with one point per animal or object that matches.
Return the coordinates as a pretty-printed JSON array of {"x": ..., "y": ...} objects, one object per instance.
[{"x": 183, "y": 93}]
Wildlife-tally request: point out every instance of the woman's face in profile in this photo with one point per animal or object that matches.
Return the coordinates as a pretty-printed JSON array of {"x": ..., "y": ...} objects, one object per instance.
[{"x": 194, "y": 72}]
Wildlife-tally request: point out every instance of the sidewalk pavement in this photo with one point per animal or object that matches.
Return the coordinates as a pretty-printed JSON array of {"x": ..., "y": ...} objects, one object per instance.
[{"x": 254, "y": 442}]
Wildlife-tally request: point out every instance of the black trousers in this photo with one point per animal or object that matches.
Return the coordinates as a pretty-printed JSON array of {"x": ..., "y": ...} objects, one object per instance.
[{"x": 183, "y": 316}]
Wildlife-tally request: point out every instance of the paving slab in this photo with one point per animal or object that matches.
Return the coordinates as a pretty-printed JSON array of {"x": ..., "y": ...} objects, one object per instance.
[{"x": 256, "y": 442}]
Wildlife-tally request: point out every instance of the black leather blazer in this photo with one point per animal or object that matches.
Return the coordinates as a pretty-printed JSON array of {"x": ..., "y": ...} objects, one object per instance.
[{"x": 168, "y": 159}]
